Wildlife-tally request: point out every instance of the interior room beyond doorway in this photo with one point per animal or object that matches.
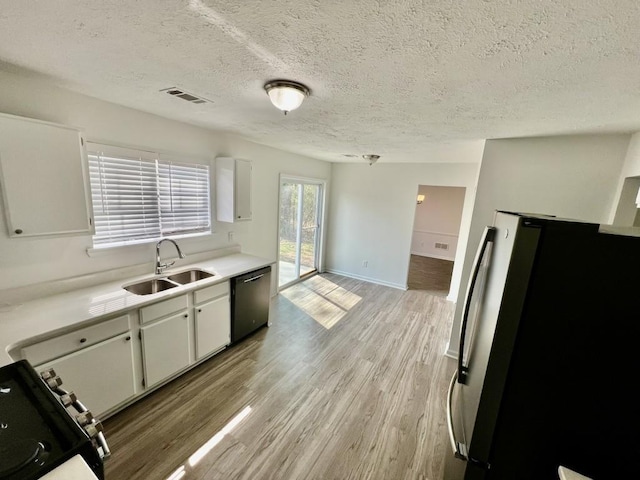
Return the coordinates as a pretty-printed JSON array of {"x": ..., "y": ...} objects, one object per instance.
[{"x": 434, "y": 241}]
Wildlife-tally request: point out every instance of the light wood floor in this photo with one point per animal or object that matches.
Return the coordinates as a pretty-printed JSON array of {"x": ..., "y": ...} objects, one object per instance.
[
  {"x": 362, "y": 399},
  {"x": 430, "y": 274}
]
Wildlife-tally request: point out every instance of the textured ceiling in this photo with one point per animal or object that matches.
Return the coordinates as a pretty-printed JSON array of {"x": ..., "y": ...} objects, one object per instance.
[{"x": 410, "y": 80}]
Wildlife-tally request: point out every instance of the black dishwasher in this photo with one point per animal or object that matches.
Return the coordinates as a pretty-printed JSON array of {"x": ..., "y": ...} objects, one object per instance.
[{"x": 250, "y": 295}]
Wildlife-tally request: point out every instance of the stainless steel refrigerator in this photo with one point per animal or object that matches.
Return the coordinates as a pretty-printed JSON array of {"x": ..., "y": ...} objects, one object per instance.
[{"x": 548, "y": 366}]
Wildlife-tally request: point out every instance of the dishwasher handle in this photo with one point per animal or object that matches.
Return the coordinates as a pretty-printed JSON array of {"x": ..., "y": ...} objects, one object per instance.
[{"x": 253, "y": 279}]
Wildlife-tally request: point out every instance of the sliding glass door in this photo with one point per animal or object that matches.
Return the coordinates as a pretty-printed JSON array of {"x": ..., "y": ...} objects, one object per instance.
[{"x": 299, "y": 235}]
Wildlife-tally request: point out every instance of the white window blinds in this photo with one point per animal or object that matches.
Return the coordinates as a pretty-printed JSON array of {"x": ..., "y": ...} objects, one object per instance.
[
  {"x": 138, "y": 197},
  {"x": 184, "y": 197}
]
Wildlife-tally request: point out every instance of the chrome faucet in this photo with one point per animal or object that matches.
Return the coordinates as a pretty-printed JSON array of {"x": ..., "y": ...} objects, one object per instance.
[{"x": 162, "y": 266}]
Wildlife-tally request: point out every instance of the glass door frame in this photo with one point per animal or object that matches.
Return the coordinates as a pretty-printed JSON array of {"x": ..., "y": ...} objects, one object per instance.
[{"x": 320, "y": 219}]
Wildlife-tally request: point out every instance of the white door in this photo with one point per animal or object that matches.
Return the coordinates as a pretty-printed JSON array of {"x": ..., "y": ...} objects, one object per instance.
[
  {"x": 243, "y": 190},
  {"x": 100, "y": 375},
  {"x": 165, "y": 347},
  {"x": 213, "y": 326},
  {"x": 43, "y": 175}
]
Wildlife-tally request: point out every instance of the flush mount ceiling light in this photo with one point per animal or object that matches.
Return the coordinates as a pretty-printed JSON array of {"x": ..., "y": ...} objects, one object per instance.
[
  {"x": 286, "y": 95},
  {"x": 371, "y": 158}
]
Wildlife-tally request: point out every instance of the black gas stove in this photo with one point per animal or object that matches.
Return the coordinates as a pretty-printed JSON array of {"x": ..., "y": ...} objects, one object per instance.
[{"x": 38, "y": 432}]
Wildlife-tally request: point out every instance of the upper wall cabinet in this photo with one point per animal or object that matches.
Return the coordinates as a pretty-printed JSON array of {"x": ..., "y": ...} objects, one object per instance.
[
  {"x": 43, "y": 175},
  {"x": 233, "y": 189}
]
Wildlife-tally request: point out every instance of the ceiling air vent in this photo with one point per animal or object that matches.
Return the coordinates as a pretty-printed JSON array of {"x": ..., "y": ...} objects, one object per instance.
[{"x": 189, "y": 97}]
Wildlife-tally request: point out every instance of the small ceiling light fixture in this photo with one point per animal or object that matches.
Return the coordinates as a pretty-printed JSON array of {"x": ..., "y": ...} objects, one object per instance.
[
  {"x": 286, "y": 95},
  {"x": 371, "y": 158}
]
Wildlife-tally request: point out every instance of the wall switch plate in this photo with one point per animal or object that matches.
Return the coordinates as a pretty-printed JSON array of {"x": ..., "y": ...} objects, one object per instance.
[{"x": 230, "y": 236}]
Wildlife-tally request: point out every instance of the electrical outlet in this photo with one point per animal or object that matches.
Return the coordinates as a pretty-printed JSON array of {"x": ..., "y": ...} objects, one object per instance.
[
  {"x": 365, "y": 263},
  {"x": 230, "y": 235}
]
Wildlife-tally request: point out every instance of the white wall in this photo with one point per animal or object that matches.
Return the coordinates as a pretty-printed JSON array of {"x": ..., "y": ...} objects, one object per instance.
[
  {"x": 437, "y": 220},
  {"x": 26, "y": 261},
  {"x": 372, "y": 211},
  {"x": 567, "y": 176}
]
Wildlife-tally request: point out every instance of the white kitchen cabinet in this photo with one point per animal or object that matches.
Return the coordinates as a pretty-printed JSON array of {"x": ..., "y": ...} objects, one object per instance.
[
  {"x": 67, "y": 343},
  {"x": 165, "y": 347},
  {"x": 212, "y": 319},
  {"x": 44, "y": 178},
  {"x": 100, "y": 375},
  {"x": 213, "y": 326},
  {"x": 233, "y": 189}
]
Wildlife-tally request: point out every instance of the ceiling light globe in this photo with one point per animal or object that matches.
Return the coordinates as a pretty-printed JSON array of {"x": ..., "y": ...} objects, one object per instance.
[{"x": 286, "y": 95}]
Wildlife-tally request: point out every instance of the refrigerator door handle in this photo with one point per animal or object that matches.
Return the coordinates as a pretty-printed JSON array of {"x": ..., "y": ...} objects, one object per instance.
[
  {"x": 459, "y": 449},
  {"x": 487, "y": 237}
]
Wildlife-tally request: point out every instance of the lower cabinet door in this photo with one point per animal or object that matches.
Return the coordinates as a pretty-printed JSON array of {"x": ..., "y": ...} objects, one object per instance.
[
  {"x": 100, "y": 375},
  {"x": 213, "y": 326},
  {"x": 165, "y": 348}
]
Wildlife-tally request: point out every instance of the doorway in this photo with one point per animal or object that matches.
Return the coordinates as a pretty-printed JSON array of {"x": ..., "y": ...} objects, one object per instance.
[
  {"x": 434, "y": 241},
  {"x": 300, "y": 215}
]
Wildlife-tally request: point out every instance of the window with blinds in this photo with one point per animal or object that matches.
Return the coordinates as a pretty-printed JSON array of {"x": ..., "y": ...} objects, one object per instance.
[{"x": 139, "y": 197}]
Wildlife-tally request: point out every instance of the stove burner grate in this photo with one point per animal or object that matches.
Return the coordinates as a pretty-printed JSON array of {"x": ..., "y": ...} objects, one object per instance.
[{"x": 20, "y": 454}]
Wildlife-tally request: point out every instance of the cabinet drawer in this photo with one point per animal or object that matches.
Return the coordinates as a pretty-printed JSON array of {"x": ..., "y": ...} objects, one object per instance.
[
  {"x": 70, "y": 342},
  {"x": 211, "y": 292},
  {"x": 162, "y": 309}
]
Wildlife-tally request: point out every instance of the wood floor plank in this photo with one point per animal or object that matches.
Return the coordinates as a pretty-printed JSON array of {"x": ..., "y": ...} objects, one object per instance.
[
  {"x": 349, "y": 382},
  {"x": 430, "y": 274}
]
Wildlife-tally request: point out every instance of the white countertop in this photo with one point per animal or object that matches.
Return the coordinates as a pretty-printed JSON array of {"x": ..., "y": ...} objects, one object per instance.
[
  {"x": 73, "y": 469},
  {"x": 566, "y": 474},
  {"x": 53, "y": 315}
]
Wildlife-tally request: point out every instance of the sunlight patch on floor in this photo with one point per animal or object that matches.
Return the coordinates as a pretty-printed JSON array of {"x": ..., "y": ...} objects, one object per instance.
[
  {"x": 324, "y": 301},
  {"x": 208, "y": 446}
]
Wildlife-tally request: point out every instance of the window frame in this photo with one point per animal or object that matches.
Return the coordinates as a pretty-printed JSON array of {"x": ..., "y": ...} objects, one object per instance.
[{"x": 158, "y": 157}]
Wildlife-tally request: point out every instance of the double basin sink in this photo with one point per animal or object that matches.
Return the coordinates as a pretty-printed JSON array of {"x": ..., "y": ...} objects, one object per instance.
[{"x": 155, "y": 285}]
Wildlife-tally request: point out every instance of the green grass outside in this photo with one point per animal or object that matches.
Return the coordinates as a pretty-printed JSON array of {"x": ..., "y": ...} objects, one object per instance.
[{"x": 288, "y": 253}]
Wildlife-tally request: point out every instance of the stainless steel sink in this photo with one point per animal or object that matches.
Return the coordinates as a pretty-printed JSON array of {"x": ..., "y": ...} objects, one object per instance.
[
  {"x": 148, "y": 287},
  {"x": 189, "y": 276},
  {"x": 155, "y": 285}
]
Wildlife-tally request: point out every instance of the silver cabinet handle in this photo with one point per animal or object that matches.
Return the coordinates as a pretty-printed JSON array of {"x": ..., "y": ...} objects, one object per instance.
[
  {"x": 456, "y": 446},
  {"x": 253, "y": 278}
]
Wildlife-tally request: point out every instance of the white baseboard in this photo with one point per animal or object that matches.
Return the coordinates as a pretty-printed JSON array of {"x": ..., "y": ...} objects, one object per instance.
[
  {"x": 451, "y": 353},
  {"x": 367, "y": 279}
]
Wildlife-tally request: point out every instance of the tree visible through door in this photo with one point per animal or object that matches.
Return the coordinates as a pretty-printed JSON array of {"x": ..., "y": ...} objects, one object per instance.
[{"x": 299, "y": 206}]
